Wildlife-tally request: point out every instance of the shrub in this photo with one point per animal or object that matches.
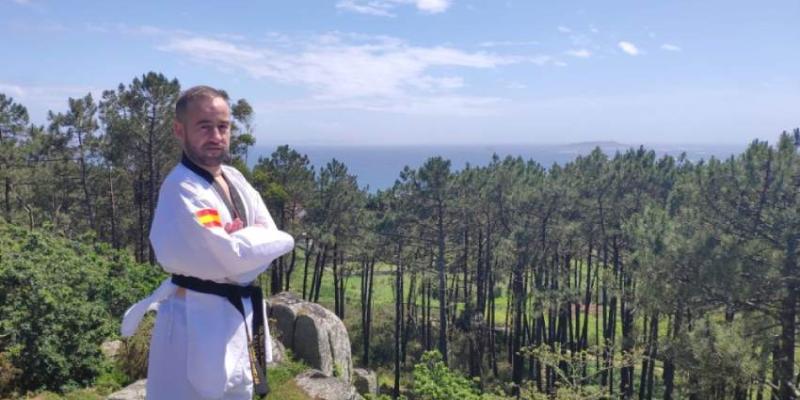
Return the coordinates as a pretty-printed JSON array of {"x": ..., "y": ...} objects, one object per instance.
[
  {"x": 59, "y": 300},
  {"x": 134, "y": 352},
  {"x": 434, "y": 381}
]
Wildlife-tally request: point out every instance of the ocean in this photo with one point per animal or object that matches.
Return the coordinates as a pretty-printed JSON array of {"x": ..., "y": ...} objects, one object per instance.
[{"x": 377, "y": 167}]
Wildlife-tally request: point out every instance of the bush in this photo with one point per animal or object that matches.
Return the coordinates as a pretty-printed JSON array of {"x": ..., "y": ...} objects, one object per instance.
[
  {"x": 434, "y": 381},
  {"x": 8, "y": 373},
  {"x": 59, "y": 300},
  {"x": 134, "y": 352}
]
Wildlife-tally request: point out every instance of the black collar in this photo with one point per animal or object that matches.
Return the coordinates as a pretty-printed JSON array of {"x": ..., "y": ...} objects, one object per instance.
[
  {"x": 234, "y": 205},
  {"x": 196, "y": 168}
]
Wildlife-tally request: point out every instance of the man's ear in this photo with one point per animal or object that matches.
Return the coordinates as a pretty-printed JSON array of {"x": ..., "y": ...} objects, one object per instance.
[{"x": 178, "y": 129}]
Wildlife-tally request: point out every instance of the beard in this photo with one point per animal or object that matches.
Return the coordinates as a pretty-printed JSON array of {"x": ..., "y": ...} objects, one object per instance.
[{"x": 206, "y": 158}]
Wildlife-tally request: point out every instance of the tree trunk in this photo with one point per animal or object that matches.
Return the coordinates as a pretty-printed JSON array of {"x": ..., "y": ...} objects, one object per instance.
[
  {"x": 337, "y": 301},
  {"x": 645, "y": 360},
  {"x": 624, "y": 280},
  {"x": 319, "y": 270},
  {"x": 342, "y": 287},
  {"x": 140, "y": 248},
  {"x": 87, "y": 198},
  {"x": 292, "y": 263},
  {"x": 7, "y": 190},
  {"x": 113, "y": 204},
  {"x": 653, "y": 356},
  {"x": 783, "y": 364},
  {"x": 669, "y": 363},
  {"x": 492, "y": 323},
  {"x": 428, "y": 322},
  {"x": 398, "y": 322},
  {"x": 410, "y": 309},
  {"x": 309, "y": 251},
  {"x": 587, "y": 300},
  {"x": 276, "y": 276},
  {"x": 442, "y": 295},
  {"x": 151, "y": 182},
  {"x": 517, "y": 359}
]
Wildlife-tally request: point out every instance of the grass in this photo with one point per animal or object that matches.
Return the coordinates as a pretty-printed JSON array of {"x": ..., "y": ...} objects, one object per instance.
[
  {"x": 384, "y": 294},
  {"x": 383, "y": 311},
  {"x": 287, "y": 391},
  {"x": 281, "y": 380},
  {"x": 80, "y": 394},
  {"x": 384, "y": 288}
]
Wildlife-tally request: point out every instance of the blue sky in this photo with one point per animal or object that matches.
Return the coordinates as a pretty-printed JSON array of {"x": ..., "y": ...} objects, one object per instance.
[{"x": 432, "y": 71}]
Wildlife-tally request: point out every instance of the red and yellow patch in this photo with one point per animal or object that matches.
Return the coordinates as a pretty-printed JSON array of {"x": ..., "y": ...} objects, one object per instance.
[{"x": 208, "y": 217}]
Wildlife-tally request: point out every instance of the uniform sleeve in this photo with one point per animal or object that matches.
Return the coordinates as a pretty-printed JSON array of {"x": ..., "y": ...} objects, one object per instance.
[{"x": 188, "y": 240}]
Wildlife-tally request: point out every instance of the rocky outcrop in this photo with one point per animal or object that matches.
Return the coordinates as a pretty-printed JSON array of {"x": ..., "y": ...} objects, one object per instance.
[
  {"x": 314, "y": 334},
  {"x": 365, "y": 381},
  {"x": 111, "y": 349},
  {"x": 135, "y": 391},
  {"x": 278, "y": 352},
  {"x": 320, "y": 386}
]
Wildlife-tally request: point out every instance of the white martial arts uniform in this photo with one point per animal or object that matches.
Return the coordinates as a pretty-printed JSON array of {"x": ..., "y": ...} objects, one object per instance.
[{"x": 199, "y": 344}]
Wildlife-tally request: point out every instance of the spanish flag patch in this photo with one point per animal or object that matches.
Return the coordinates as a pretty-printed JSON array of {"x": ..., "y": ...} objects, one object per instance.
[{"x": 208, "y": 217}]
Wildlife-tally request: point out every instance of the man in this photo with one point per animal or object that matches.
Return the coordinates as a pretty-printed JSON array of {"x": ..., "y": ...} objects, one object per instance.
[{"x": 212, "y": 232}]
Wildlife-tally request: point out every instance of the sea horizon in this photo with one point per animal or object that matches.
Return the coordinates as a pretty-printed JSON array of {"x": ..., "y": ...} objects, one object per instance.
[{"x": 377, "y": 166}]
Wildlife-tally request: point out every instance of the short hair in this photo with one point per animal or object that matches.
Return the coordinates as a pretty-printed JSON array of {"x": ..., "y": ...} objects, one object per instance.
[{"x": 194, "y": 93}]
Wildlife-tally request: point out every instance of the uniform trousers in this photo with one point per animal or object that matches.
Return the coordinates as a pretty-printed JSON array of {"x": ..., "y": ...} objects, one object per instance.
[{"x": 168, "y": 372}]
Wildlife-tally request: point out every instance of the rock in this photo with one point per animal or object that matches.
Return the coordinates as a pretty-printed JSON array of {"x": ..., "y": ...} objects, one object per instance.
[
  {"x": 283, "y": 307},
  {"x": 278, "y": 353},
  {"x": 365, "y": 381},
  {"x": 314, "y": 334},
  {"x": 111, "y": 348},
  {"x": 319, "y": 386},
  {"x": 135, "y": 391}
]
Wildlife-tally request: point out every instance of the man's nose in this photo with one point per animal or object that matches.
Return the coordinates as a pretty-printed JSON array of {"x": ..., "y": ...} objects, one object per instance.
[{"x": 216, "y": 134}]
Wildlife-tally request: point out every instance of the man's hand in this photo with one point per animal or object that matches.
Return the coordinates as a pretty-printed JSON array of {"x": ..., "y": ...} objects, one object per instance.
[{"x": 234, "y": 226}]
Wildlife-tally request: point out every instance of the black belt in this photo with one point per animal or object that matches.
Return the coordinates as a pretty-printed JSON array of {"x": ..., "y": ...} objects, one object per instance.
[{"x": 235, "y": 294}]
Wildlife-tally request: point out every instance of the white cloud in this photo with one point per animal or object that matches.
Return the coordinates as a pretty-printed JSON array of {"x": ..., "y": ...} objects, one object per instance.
[
  {"x": 41, "y": 98},
  {"x": 516, "y": 85},
  {"x": 670, "y": 47},
  {"x": 377, "y": 8},
  {"x": 540, "y": 60},
  {"x": 508, "y": 43},
  {"x": 213, "y": 49},
  {"x": 38, "y": 26},
  {"x": 125, "y": 29},
  {"x": 629, "y": 48},
  {"x": 580, "y": 53},
  {"x": 431, "y": 84},
  {"x": 467, "y": 106},
  {"x": 383, "y": 8},
  {"x": 13, "y": 90},
  {"x": 438, "y": 105},
  {"x": 564, "y": 29},
  {"x": 147, "y": 30},
  {"x": 433, "y": 6},
  {"x": 96, "y": 28},
  {"x": 377, "y": 73},
  {"x": 61, "y": 92}
]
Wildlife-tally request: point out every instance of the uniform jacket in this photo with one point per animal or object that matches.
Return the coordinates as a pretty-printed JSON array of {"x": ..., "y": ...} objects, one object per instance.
[{"x": 188, "y": 238}]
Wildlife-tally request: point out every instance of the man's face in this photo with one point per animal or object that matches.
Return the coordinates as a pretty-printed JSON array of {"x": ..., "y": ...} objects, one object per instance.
[{"x": 204, "y": 131}]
